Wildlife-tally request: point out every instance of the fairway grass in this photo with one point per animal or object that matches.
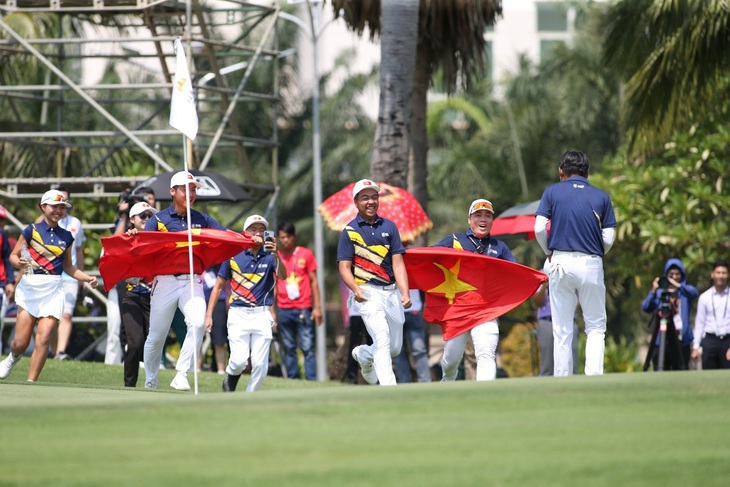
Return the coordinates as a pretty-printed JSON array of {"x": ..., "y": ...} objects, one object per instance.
[{"x": 642, "y": 429}]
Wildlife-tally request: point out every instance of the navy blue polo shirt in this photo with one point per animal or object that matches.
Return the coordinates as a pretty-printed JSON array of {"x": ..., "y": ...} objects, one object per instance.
[
  {"x": 253, "y": 278},
  {"x": 488, "y": 245},
  {"x": 578, "y": 213},
  {"x": 168, "y": 220},
  {"x": 370, "y": 248},
  {"x": 47, "y": 246}
]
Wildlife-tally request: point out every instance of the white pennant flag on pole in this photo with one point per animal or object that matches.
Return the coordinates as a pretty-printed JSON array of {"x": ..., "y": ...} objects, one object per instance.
[{"x": 183, "y": 116}]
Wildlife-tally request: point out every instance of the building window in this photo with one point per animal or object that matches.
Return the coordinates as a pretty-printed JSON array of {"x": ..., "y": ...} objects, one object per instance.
[{"x": 552, "y": 17}]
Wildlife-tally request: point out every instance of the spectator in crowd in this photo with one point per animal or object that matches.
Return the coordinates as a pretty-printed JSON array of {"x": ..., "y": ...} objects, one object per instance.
[
  {"x": 43, "y": 252},
  {"x": 582, "y": 231},
  {"x": 681, "y": 295},
  {"x": 253, "y": 275},
  {"x": 299, "y": 304},
  {"x": 7, "y": 274},
  {"x": 370, "y": 257},
  {"x": 415, "y": 347},
  {"x": 712, "y": 323},
  {"x": 219, "y": 329},
  {"x": 485, "y": 335}
]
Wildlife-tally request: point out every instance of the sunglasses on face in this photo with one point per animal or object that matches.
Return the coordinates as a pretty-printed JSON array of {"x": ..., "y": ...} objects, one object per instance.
[{"x": 145, "y": 216}]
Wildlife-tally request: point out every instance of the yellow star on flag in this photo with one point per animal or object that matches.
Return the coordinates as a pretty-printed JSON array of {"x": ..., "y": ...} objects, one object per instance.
[{"x": 451, "y": 285}]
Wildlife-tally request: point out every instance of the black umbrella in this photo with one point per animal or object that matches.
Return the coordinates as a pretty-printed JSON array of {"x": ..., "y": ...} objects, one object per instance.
[{"x": 215, "y": 187}]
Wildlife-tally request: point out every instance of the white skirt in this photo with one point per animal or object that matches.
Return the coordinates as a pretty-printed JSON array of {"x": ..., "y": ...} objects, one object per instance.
[{"x": 41, "y": 295}]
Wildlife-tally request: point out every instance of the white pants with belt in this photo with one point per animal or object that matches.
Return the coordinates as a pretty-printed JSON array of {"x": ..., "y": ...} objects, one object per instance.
[
  {"x": 485, "y": 338},
  {"x": 576, "y": 277},
  {"x": 249, "y": 334},
  {"x": 169, "y": 293},
  {"x": 383, "y": 316}
]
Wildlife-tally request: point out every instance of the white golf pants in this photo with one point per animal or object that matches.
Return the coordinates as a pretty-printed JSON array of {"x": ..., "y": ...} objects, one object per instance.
[
  {"x": 485, "y": 338},
  {"x": 576, "y": 277},
  {"x": 249, "y": 335},
  {"x": 169, "y": 293},
  {"x": 384, "y": 317}
]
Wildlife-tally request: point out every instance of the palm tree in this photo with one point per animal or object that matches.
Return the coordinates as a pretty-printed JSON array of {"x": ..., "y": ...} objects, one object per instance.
[
  {"x": 450, "y": 35},
  {"x": 674, "y": 59}
]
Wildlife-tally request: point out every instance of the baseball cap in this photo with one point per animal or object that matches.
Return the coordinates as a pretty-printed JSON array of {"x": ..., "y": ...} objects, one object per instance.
[
  {"x": 364, "y": 184},
  {"x": 182, "y": 178},
  {"x": 3, "y": 213},
  {"x": 53, "y": 197},
  {"x": 481, "y": 204},
  {"x": 140, "y": 208},
  {"x": 255, "y": 219}
]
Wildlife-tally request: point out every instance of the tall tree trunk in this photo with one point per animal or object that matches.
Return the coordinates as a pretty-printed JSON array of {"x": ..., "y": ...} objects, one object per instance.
[
  {"x": 399, "y": 36},
  {"x": 418, "y": 161}
]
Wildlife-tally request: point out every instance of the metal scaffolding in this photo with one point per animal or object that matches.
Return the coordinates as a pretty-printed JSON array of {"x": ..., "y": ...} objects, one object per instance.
[{"x": 77, "y": 120}]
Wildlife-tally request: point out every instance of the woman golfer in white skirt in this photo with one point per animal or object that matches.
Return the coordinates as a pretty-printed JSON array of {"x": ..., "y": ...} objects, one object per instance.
[{"x": 39, "y": 294}]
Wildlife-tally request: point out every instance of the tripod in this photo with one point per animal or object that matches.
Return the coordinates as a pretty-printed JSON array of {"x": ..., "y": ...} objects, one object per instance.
[{"x": 662, "y": 325}]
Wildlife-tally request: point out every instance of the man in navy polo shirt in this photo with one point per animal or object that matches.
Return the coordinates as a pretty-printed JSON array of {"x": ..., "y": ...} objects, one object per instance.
[
  {"x": 170, "y": 291},
  {"x": 252, "y": 275},
  {"x": 370, "y": 256},
  {"x": 485, "y": 335},
  {"x": 582, "y": 230}
]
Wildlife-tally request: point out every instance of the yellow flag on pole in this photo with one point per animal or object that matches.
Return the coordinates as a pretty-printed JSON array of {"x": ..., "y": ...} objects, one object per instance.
[{"x": 183, "y": 116}]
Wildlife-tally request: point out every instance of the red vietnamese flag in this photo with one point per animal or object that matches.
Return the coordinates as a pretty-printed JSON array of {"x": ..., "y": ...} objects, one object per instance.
[
  {"x": 150, "y": 254},
  {"x": 464, "y": 289}
]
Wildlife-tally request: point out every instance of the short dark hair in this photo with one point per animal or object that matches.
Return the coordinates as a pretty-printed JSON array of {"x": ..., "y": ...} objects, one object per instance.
[
  {"x": 286, "y": 227},
  {"x": 63, "y": 189},
  {"x": 574, "y": 162},
  {"x": 145, "y": 190},
  {"x": 720, "y": 263}
]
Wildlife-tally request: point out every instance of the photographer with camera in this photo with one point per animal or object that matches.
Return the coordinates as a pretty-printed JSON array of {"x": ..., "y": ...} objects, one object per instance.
[
  {"x": 127, "y": 199},
  {"x": 671, "y": 294}
]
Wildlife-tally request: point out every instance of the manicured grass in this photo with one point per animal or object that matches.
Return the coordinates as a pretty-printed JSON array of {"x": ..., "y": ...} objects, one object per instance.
[{"x": 616, "y": 430}]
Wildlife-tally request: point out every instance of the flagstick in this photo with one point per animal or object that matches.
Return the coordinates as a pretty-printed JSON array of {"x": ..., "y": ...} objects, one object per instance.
[{"x": 190, "y": 264}]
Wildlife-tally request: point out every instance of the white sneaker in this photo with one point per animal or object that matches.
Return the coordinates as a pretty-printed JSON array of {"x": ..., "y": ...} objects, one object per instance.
[
  {"x": 151, "y": 384},
  {"x": 367, "y": 369},
  {"x": 180, "y": 382},
  {"x": 6, "y": 366}
]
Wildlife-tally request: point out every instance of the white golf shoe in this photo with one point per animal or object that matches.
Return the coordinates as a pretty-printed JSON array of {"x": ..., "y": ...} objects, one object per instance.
[
  {"x": 6, "y": 366},
  {"x": 367, "y": 369},
  {"x": 180, "y": 382}
]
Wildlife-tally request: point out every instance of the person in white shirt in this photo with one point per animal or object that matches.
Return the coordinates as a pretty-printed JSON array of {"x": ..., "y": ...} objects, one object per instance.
[{"x": 712, "y": 323}]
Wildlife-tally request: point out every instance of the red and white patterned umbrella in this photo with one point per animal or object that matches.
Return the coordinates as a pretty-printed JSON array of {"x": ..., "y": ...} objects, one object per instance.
[
  {"x": 396, "y": 204},
  {"x": 517, "y": 221}
]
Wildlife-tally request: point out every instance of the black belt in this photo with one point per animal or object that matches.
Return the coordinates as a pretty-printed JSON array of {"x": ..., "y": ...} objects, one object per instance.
[
  {"x": 721, "y": 337},
  {"x": 548, "y": 318}
]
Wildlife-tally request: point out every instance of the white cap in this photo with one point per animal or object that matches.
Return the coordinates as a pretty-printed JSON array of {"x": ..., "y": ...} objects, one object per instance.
[
  {"x": 255, "y": 219},
  {"x": 481, "y": 204},
  {"x": 140, "y": 208},
  {"x": 182, "y": 178},
  {"x": 364, "y": 184},
  {"x": 54, "y": 197}
]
